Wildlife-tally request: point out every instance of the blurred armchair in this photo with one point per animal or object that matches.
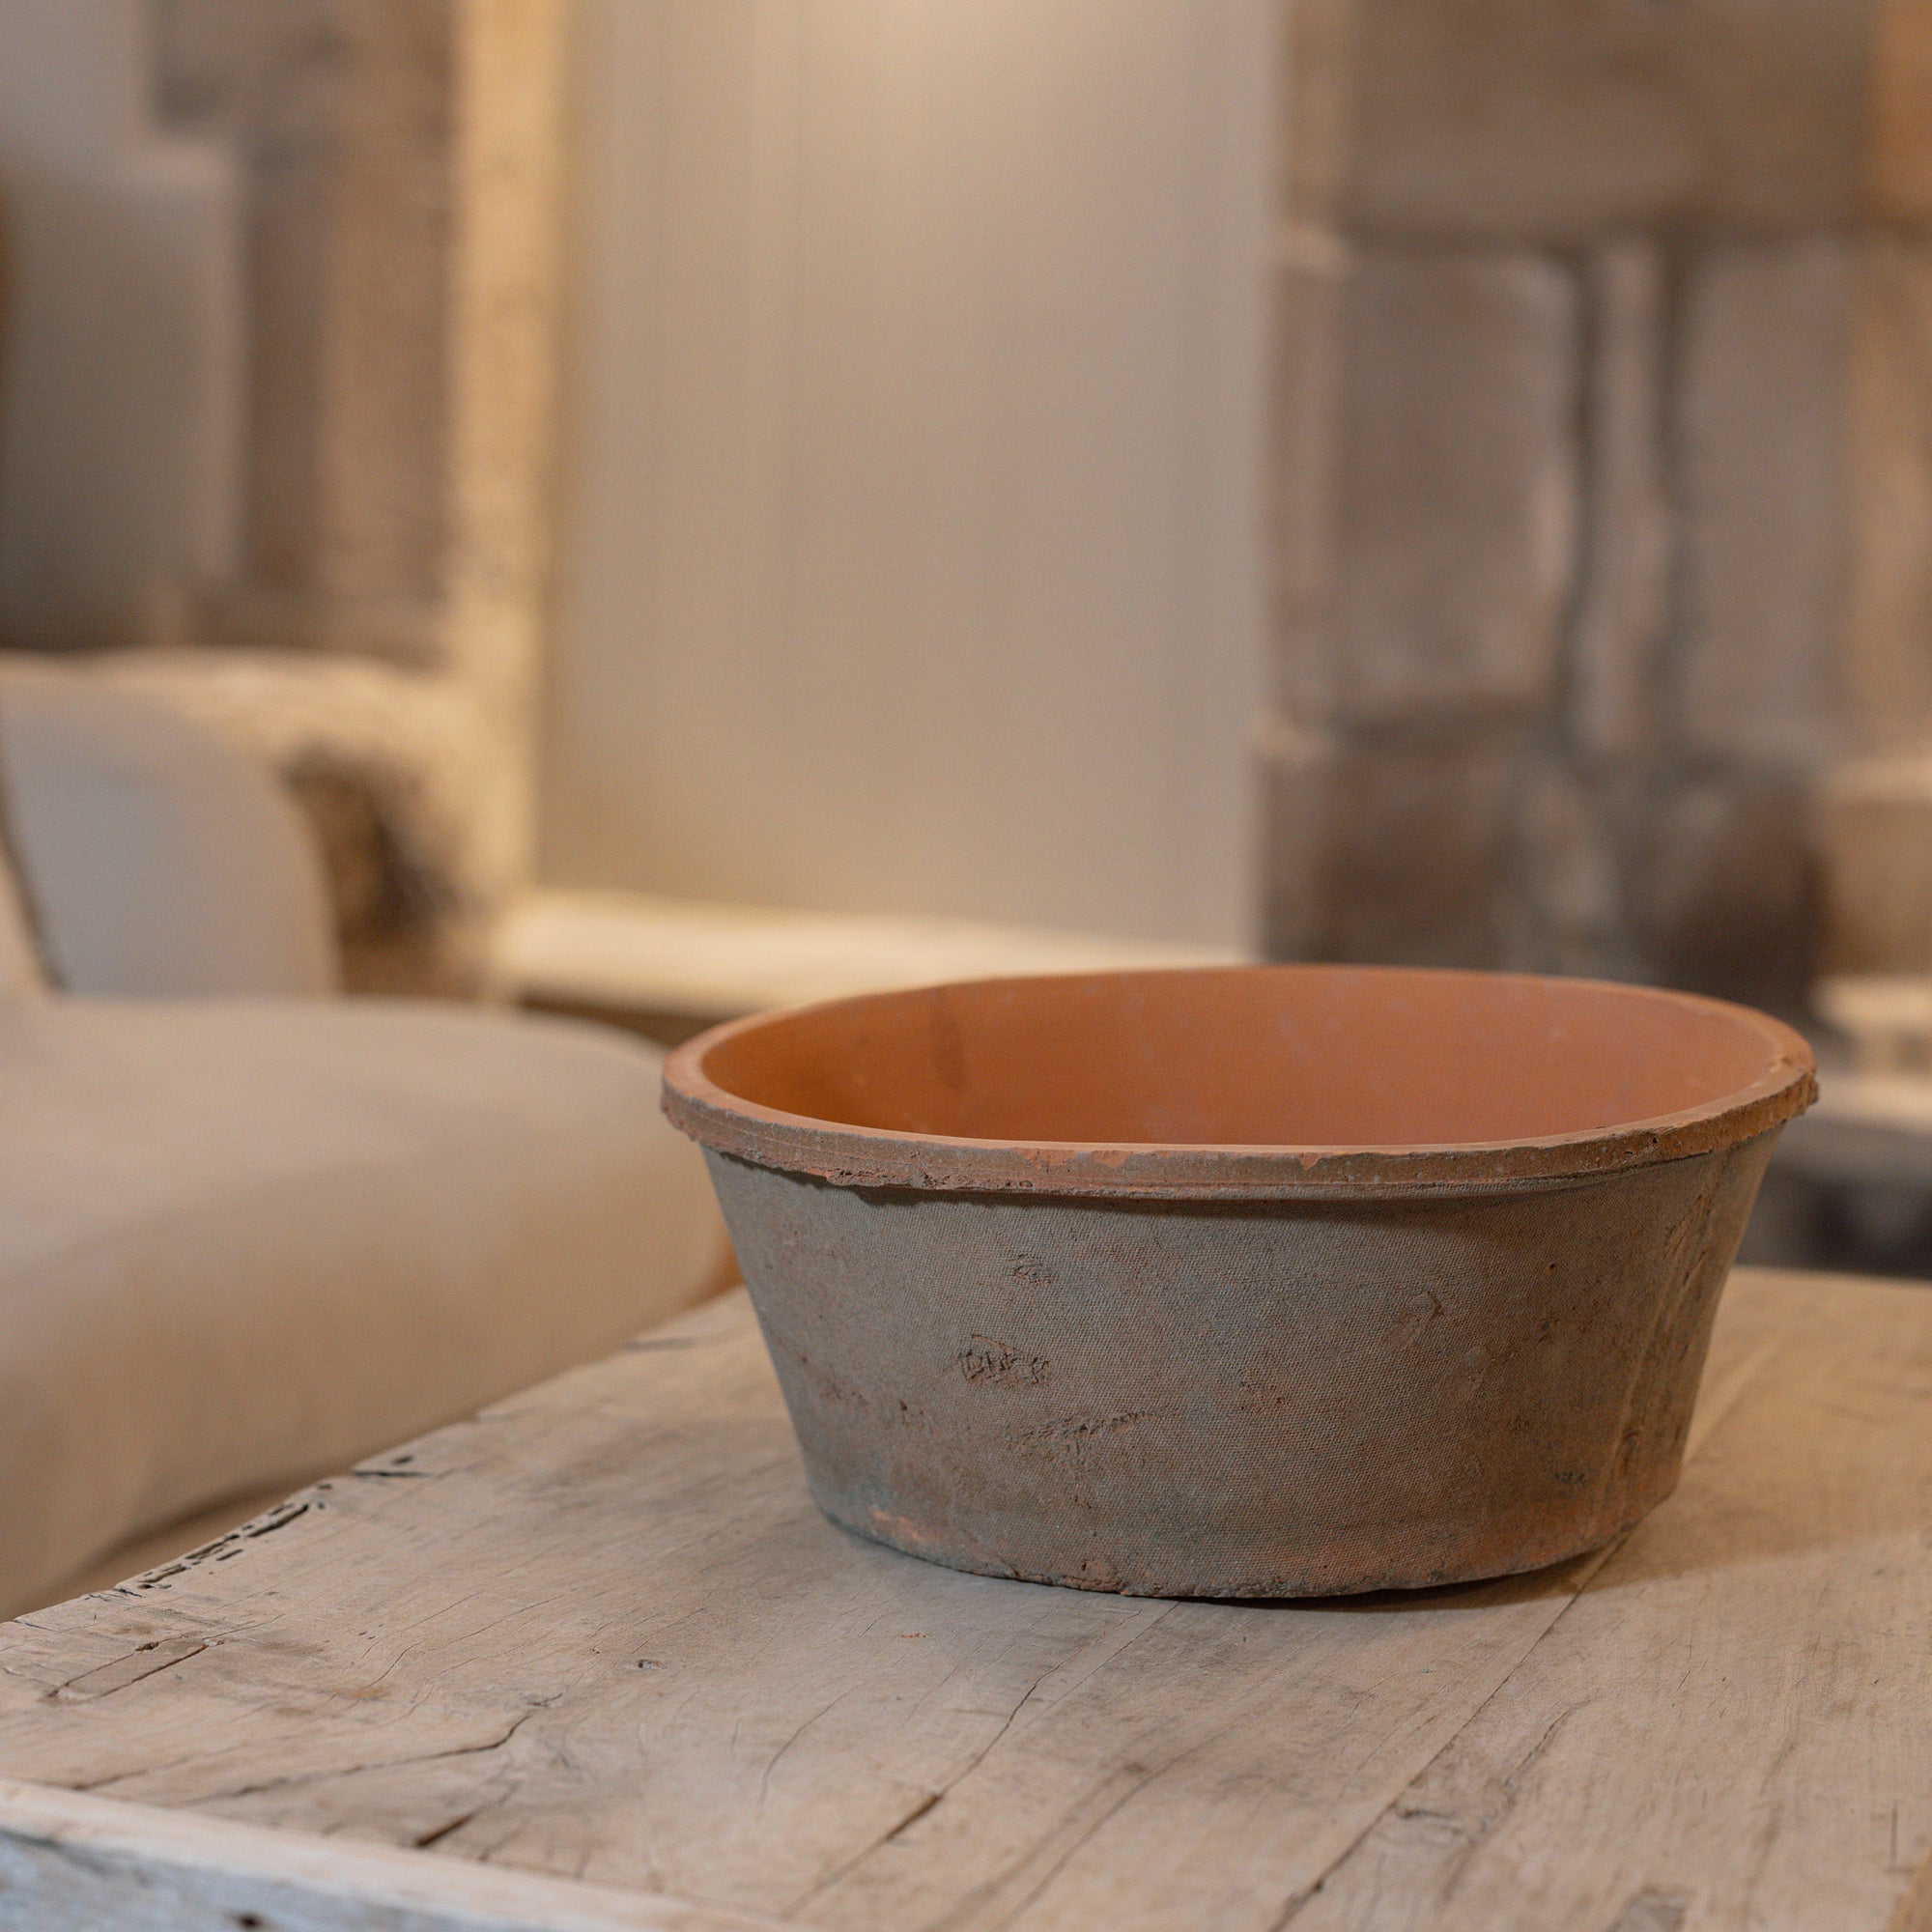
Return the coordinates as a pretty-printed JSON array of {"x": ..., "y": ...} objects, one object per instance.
[{"x": 250, "y": 1232}]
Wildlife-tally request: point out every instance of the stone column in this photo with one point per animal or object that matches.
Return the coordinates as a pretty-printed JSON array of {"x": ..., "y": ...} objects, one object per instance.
[{"x": 1606, "y": 470}]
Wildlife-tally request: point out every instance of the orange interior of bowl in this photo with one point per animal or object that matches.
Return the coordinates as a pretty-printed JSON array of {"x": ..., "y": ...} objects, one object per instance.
[{"x": 1289, "y": 1057}]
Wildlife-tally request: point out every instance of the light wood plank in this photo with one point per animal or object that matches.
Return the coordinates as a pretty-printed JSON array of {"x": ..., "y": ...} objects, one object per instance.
[
  {"x": 1733, "y": 1725},
  {"x": 69, "y": 1860},
  {"x": 601, "y": 1632},
  {"x": 1914, "y": 1911}
]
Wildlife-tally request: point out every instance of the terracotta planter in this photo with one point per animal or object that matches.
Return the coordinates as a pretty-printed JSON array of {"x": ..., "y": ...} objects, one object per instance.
[{"x": 1244, "y": 1281}]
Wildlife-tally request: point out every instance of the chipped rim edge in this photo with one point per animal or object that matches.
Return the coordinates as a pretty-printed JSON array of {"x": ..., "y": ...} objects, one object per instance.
[{"x": 844, "y": 1154}]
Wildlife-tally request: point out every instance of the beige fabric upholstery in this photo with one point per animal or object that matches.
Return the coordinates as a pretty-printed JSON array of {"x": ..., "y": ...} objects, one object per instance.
[
  {"x": 246, "y": 1243},
  {"x": 20, "y": 974},
  {"x": 158, "y": 857}
]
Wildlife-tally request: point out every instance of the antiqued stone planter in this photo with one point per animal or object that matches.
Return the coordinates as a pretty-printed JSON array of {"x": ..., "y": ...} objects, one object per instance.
[{"x": 1247, "y": 1281}]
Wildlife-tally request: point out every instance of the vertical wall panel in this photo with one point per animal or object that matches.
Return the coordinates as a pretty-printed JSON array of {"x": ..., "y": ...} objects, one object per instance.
[{"x": 911, "y": 543}]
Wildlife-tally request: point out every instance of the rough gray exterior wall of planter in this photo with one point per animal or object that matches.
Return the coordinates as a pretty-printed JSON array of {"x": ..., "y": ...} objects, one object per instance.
[{"x": 1605, "y": 461}]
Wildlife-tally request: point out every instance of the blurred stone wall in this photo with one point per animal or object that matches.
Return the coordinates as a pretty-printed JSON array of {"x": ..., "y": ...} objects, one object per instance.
[
  {"x": 1605, "y": 460},
  {"x": 380, "y": 640},
  {"x": 344, "y": 112}
]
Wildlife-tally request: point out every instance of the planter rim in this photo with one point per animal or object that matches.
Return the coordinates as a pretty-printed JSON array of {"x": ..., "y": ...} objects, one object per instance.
[{"x": 846, "y": 1155}]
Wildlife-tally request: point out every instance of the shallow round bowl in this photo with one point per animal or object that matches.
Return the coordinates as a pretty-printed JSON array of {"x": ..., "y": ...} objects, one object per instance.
[{"x": 1242, "y": 1282}]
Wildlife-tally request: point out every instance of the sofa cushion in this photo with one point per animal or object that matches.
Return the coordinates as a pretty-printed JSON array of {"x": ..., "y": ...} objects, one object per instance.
[
  {"x": 158, "y": 856},
  {"x": 21, "y": 976},
  {"x": 243, "y": 1243}
]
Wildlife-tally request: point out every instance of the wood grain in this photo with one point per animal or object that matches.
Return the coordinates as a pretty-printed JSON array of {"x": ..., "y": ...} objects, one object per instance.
[
  {"x": 1730, "y": 1726},
  {"x": 600, "y": 1633},
  {"x": 70, "y": 1860}
]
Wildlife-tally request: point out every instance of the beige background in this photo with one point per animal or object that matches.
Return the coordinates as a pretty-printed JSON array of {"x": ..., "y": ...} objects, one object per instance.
[
  {"x": 911, "y": 543},
  {"x": 910, "y": 546},
  {"x": 122, "y": 349}
]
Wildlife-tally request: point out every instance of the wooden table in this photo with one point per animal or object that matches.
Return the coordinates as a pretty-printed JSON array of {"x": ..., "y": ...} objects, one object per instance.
[{"x": 592, "y": 1660}]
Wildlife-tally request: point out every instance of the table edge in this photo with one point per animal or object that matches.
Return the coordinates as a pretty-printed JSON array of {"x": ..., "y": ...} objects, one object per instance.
[{"x": 211, "y": 1869}]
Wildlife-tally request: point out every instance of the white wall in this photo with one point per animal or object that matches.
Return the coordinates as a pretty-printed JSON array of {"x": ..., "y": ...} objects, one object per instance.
[
  {"x": 120, "y": 332},
  {"x": 911, "y": 545}
]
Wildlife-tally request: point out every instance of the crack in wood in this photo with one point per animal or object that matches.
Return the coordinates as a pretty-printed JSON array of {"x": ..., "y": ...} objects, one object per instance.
[
  {"x": 221, "y": 1548},
  {"x": 1652, "y": 1911},
  {"x": 148, "y": 1660},
  {"x": 297, "y": 1780},
  {"x": 441, "y": 1832}
]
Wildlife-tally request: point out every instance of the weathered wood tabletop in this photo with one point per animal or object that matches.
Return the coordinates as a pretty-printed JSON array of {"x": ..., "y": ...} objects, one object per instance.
[{"x": 595, "y": 1654}]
